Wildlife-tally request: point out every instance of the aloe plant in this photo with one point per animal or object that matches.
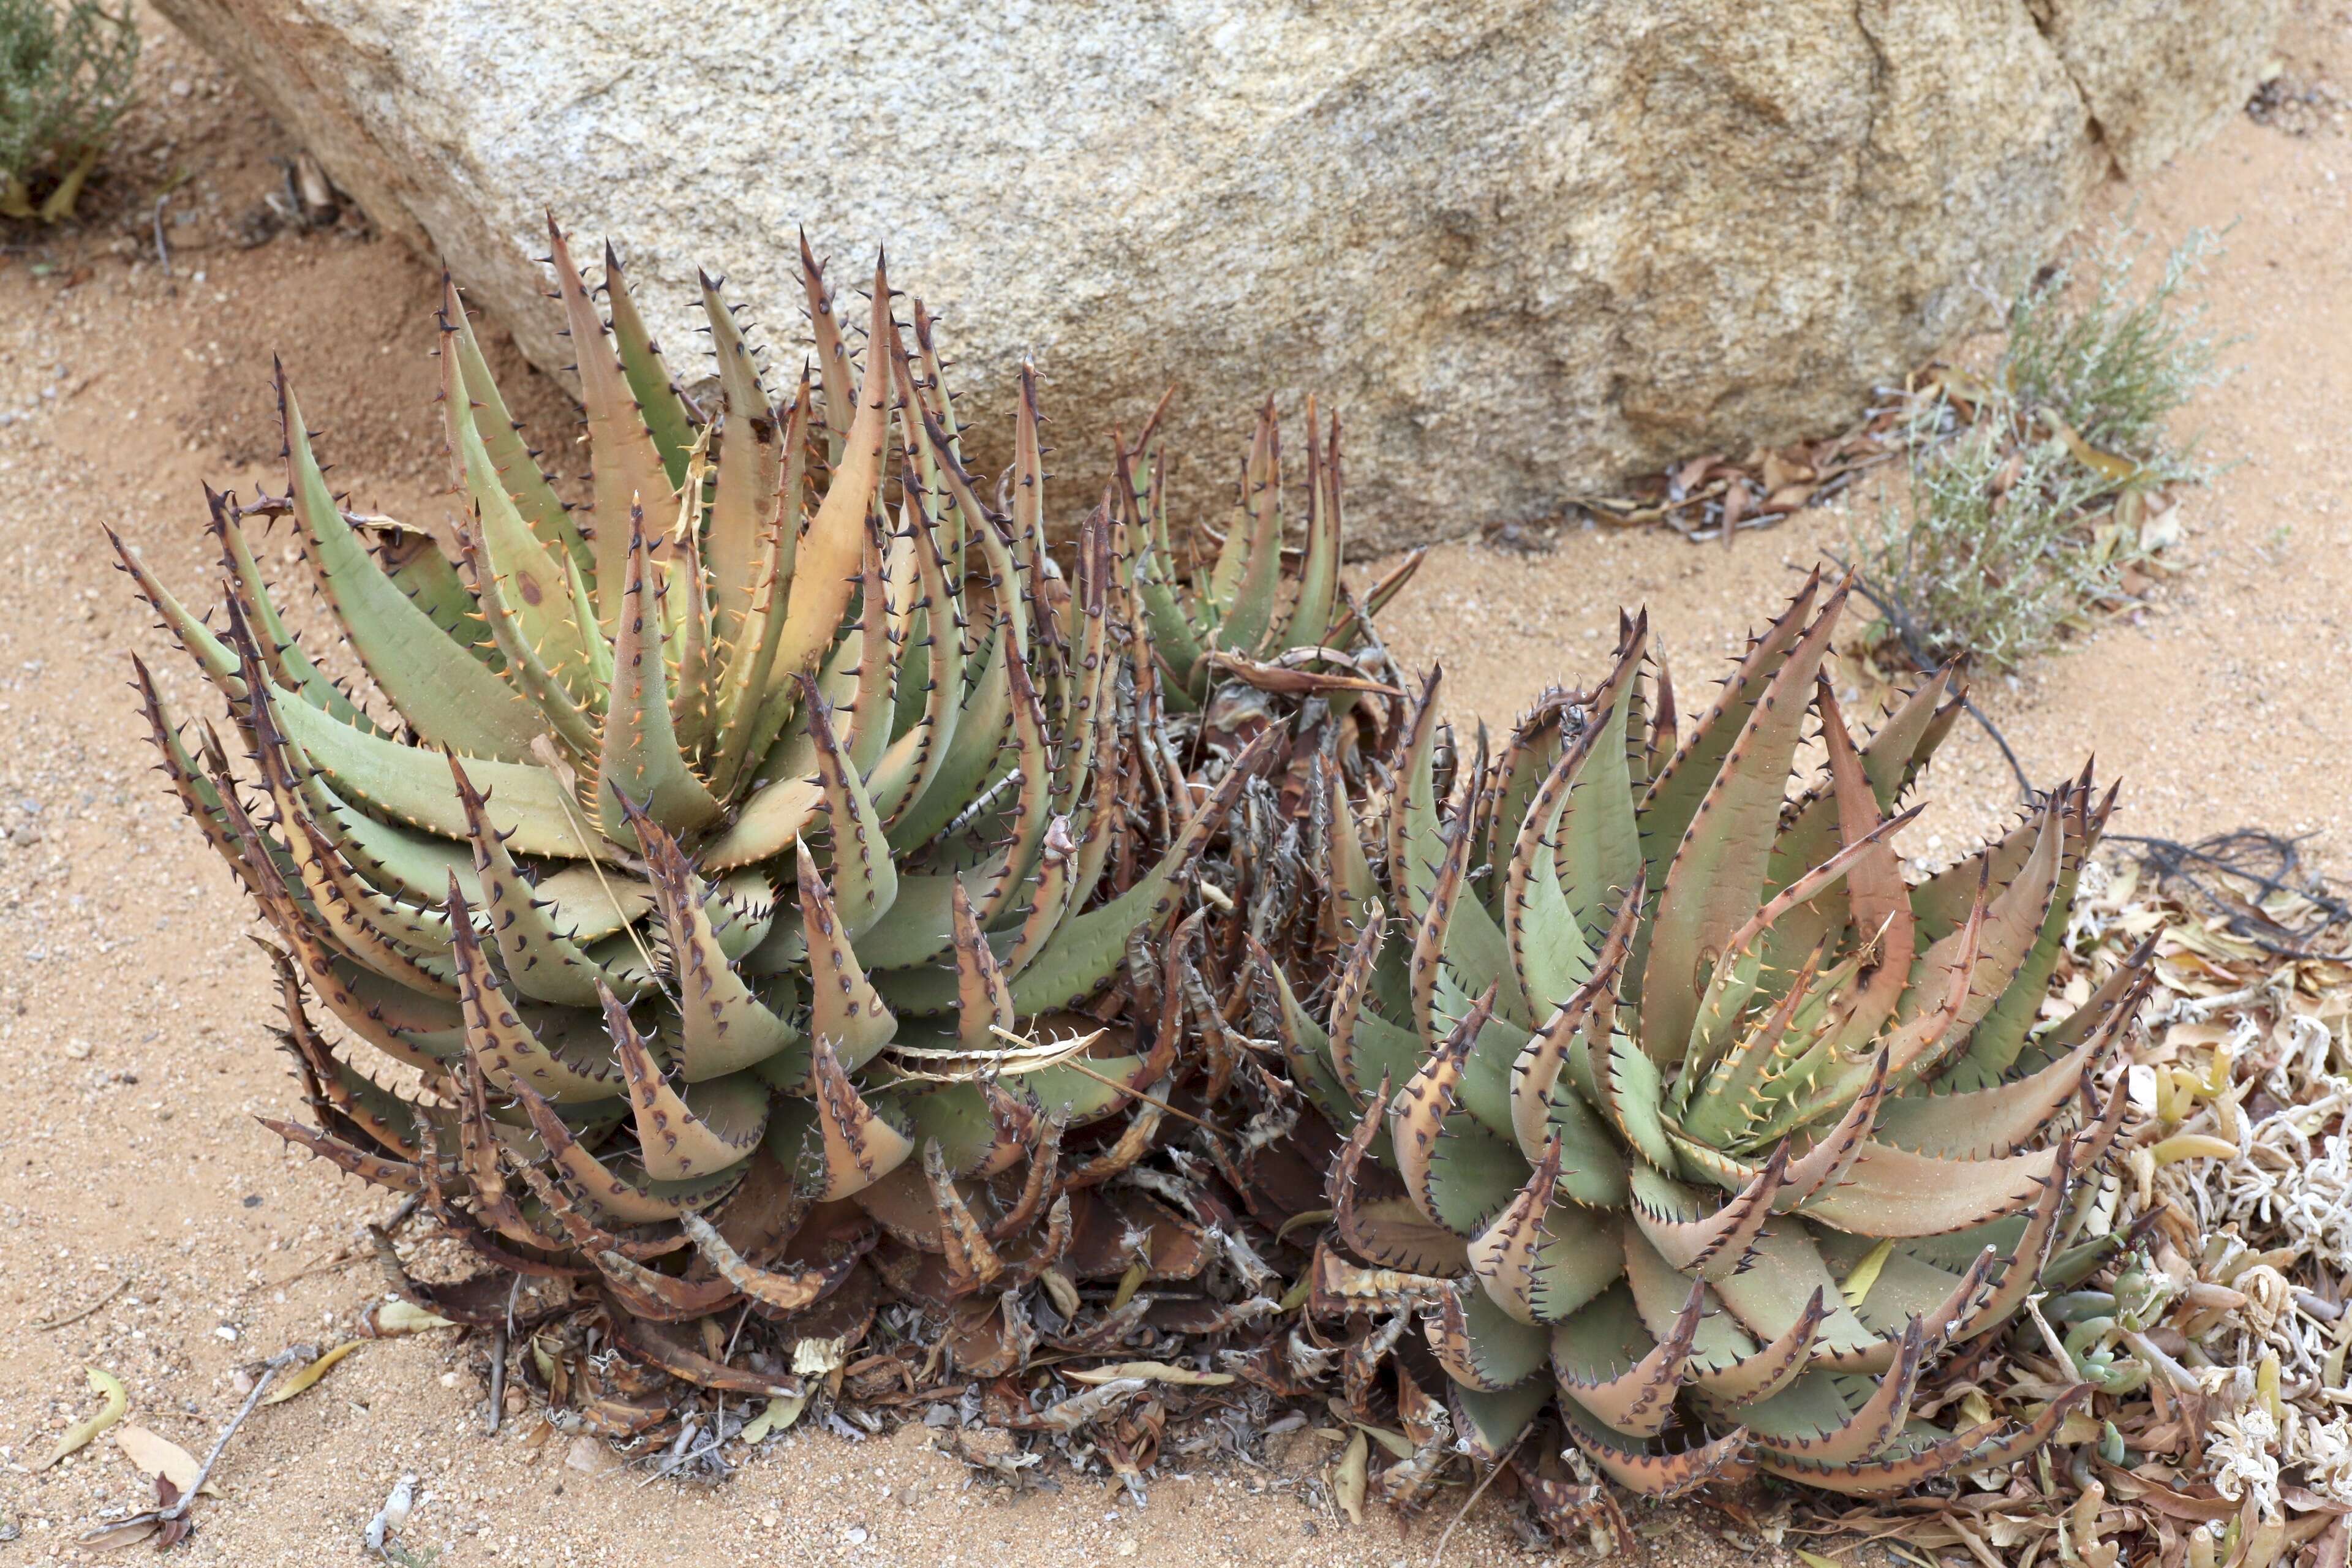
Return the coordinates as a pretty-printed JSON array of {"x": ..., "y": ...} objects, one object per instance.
[
  {"x": 1665, "y": 1104},
  {"x": 1244, "y": 620},
  {"x": 729, "y": 860}
]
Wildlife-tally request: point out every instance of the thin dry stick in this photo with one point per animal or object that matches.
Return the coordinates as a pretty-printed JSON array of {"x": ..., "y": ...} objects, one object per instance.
[
  {"x": 1438, "y": 1553},
  {"x": 1185, "y": 1115},
  {"x": 567, "y": 780},
  {"x": 324, "y": 1266},
  {"x": 499, "y": 1341},
  {"x": 119, "y": 1287},
  {"x": 497, "y": 1379},
  {"x": 1077, "y": 1066},
  {"x": 270, "y": 1370}
]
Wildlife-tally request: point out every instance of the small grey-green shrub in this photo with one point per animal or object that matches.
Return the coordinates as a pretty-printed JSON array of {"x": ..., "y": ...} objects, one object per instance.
[
  {"x": 2117, "y": 365},
  {"x": 2028, "y": 499},
  {"x": 65, "y": 77}
]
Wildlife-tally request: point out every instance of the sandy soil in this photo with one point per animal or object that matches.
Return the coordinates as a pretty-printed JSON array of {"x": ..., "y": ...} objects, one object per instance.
[{"x": 133, "y": 1012}]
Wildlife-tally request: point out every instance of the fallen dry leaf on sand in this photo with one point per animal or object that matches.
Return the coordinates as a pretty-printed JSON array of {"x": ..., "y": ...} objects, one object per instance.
[
  {"x": 158, "y": 1456},
  {"x": 78, "y": 1436}
]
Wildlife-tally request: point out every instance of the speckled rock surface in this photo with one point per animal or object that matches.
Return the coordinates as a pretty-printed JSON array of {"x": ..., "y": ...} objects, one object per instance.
[{"x": 1525, "y": 247}]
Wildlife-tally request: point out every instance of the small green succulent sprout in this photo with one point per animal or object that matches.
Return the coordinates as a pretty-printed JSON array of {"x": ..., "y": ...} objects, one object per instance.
[
  {"x": 1243, "y": 632},
  {"x": 65, "y": 77}
]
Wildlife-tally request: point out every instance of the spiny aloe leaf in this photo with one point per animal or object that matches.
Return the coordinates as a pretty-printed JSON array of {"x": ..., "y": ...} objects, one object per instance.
[
  {"x": 853, "y": 1144},
  {"x": 1785, "y": 1270},
  {"x": 215, "y": 658},
  {"x": 620, "y": 1189},
  {"x": 779, "y": 1290},
  {"x": 511, "y": 459},
  {"x": 1542, "y": 1260},
  {"x": 1456, "y": 1171},
  {"x": 1608, "y": 1363},
  {"x": 543, "y": 958},
  {"x": 1672, "y": 801},
  {"x": 912, "y": 766},
  {"x": 1894, "y": 1192},
  {"x": 1022, "y": 829},
  {"x": 640, "y": 767},
  {"x": 1633, "y": 1097},
  {"x": 560, "y": 709},
  {"x": 693, "y": 702},
  {"x": 2007, "y": 1117},
  {"x": 337, "y": 1090},
  {"x": 1416, "y": 845},
  {"x": 630, "y": 477},
  {"x": 1943, "y": 901},
  {"x": 522, "y": 582},
  {"x": 1480, "y": 1345},
  {"x": 1490, "y": 1427},
  {"x": 1918, "y": 1457},
  {"x": 1718, "y": 871},
  {"x": 984, "y": 1000},
  {"x": 281, "y": 651},
  {"x": 393, "y": 1175},
  {"x": 872, "y": 707},
  {"x": 1174, "y": 639},
  {"x": 503, "y": 1046},
  {"x": 1318, "y": 577},
  {"x": 679, "y": 1137},
  {"x": 765, "y": 825},
  {"x": 1693, "y": 1237},
  {"x": 831, "y": 355},
  {"x": 1739, "y": 971},
  {"x": 748, "y": 644},
  {"x": 445, "y": 693},
  {"x": 412, "y": 785},
  {"x": 724, "y": 1025},
  {"x": 1812, "y": 1418},
  {"x": 1652, "y": 1472},
  {"x": 845, "y": 1012},
  {"x": 1566, "y": 1038},
  {"x": 981, "y": 731},
  {"x": 417, "y": 567},
  {"x": 666, "y": 417},
  {"x": 2000, "y": 1036},
  {"x": 1088, "y": 946},
  {"x": 1596, "y": 841},
  {"x": 1355, "y": 888},
  {"x": 864, "y": 876},
  {"x": 831, "y": 552},
  {"x": 1891, "y": 759},
  {"x": 1878, "y": 899},
  {"x": 1363, "y": 1045},
  {"x": 1726, "y": 1365},
  {"x": 1387, "y": 1231},
  {"x": 1250, "y": 612}
]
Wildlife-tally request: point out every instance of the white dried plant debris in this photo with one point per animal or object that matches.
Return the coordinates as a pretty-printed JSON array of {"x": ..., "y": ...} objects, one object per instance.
[
  {"x": 2277, "y": 1213},
  {"x": 2325, "y": 1455},
  {"x": 2243, "y": 1452}
]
